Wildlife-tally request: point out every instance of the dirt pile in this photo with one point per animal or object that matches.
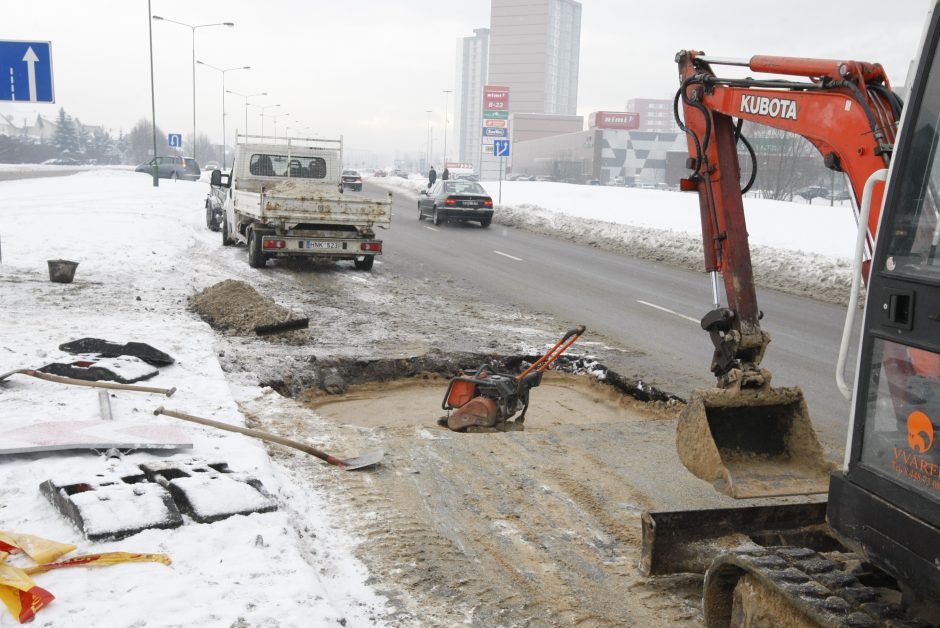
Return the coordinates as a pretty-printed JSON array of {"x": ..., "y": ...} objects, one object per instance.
[{"x": 235, "y": 308}]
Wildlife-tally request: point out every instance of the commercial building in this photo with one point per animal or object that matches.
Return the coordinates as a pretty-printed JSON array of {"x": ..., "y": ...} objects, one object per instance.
[
  {"x": 472, "y": 65},
  {"x": 609, "y": 156},
  {"x": 656, "y": 114},
  {"x": 534, "y": 50}
]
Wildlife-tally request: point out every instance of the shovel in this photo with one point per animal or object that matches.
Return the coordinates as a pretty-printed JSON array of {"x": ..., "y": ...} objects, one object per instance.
[
  {"x": 81, "y": 382},
  {"x": 367, "y": 459}
]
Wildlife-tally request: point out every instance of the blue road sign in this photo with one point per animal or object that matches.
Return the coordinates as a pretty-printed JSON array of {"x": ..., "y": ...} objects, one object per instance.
[
  {"x": 501, "y": 148},
  {"x": 26, "y": 71},
  {"x": 176, "y": 140}
]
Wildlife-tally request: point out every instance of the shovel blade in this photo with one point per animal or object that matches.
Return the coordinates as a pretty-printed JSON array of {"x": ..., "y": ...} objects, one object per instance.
[
  {"x": 752, "y": 442},
  {"x": 362, "y": 461}
]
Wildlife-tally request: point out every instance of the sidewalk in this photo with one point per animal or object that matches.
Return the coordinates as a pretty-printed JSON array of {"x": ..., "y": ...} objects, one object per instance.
[{"x": 142, "y": 251}]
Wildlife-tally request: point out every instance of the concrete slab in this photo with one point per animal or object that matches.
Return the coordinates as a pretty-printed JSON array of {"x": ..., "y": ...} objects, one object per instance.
[{"x": 24, "y": 436}]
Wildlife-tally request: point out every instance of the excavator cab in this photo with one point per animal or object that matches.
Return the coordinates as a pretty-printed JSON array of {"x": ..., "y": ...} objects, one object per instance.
[{"x": 886, "y": 503}]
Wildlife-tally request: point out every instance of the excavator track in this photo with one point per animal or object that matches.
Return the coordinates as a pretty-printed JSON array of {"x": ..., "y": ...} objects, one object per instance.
[{"x": 810, "y": 583}]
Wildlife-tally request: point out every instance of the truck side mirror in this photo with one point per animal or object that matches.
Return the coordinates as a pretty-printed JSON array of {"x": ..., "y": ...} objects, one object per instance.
[{"x": 215, "y": 179}]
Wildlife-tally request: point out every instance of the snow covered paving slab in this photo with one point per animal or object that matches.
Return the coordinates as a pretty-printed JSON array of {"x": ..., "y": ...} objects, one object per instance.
[{"x": 141, "y": 252}]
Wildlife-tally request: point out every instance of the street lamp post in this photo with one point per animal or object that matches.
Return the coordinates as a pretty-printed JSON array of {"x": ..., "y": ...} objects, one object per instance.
[
  {"x": 447, "y": 93},
  {"x": 193, "y": 28},
  {"x": 222, "y": 72},
  {"x": 274, "y": 120},
  {"x": 262, "y": 115},
  {"x": 246, "y": 97},
  {"x": 427, "y": 143},
  {"x": 153, "y": 104}
]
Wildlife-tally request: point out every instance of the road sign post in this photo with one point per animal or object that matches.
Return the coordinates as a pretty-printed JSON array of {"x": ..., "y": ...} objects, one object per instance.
[{"x": 26, "y": 71}]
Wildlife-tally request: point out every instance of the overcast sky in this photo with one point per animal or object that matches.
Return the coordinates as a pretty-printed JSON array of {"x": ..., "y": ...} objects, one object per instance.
[{"x": 369, "y": 69}]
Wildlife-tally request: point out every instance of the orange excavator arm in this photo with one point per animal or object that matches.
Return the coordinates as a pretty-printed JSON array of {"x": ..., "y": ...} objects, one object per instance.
[{"x": 846, "y": 109}]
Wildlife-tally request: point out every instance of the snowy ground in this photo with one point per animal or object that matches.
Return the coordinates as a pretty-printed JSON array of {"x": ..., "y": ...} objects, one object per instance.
[
  {"x": 798, "y": 248},
  {"x": 142, "y": 252}
]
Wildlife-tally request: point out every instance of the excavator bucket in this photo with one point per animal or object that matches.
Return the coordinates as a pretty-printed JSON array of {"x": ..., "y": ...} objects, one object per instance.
[{"x": 752, "y": 442}]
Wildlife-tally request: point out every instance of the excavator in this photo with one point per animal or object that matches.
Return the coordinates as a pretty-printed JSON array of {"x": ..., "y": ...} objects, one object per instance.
[{"x": 869, "y": 555}]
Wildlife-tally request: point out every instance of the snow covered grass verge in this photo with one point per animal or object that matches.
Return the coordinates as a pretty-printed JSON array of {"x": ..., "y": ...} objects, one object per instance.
[
  {"x": 142, "y": 251},
  {"x": 796, "y": 248}
]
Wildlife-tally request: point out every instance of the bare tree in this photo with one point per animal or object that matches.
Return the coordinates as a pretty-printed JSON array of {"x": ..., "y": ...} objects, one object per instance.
[
  {"x": 786, "y": 162},
  {"x": 139, "y": 141}
]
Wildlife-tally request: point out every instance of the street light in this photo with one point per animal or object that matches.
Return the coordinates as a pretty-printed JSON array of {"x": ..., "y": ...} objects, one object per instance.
[
  {"x": 193, "y": 28},
  {"x": 153, "y": 104},
  {"x": 262, "y": 115},
  {"x": 447, "y": 93},
  {"x": 427, "y": 141},
  {"x": 222, "y": 72},
  {"x": 246, "y": 97},
  {"x": 274, "y": 119}
]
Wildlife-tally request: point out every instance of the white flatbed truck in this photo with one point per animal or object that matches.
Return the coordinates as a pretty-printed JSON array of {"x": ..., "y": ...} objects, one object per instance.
[{"x": 285, "y": 198}]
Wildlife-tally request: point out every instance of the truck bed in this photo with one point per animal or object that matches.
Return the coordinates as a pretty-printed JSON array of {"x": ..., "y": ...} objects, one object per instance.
[{"x": 296, "y": 202}]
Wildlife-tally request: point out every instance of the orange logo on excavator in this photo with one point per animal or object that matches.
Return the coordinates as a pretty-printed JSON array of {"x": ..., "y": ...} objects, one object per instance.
[{"x": 919, "y": 432}]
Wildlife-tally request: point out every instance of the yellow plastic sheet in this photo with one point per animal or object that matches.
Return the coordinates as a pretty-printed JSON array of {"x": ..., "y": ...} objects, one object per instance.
[
  {"x": 99, "y": 560},
  {"x": 21, "y": 595},
  {"x": 39, "y": 549}
]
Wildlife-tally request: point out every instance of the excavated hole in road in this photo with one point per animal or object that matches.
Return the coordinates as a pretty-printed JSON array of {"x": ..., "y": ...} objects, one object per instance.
[{"x": 409, "y": 391}]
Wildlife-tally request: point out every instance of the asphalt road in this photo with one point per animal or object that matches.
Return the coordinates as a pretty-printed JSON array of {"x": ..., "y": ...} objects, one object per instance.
[{"x": 651, "y": 310}]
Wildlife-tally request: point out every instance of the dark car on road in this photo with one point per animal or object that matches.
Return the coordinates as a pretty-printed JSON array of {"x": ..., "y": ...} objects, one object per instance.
[
  {"x": 456, "y": 200},
  {"x": 352, "y": 180},
  {"x": 173, "y": 168}
]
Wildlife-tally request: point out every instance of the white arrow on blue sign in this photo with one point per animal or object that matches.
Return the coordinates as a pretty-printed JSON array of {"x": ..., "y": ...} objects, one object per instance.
[
  {"x": 26, "y": 71},
  {"x": 501, "y": 148},
  {"x": 176, "y": 140}
]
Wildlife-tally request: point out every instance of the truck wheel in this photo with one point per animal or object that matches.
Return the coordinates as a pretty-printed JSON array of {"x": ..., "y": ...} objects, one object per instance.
[
  {"x": 420, "y": 214},
  {"x": 256, "y": 259},
  {"x": 211, "y": 221},
  {"x": 365, "y": 263},
  {"x": 226, "y": 236},
  {"x": 437, "y": 218}
]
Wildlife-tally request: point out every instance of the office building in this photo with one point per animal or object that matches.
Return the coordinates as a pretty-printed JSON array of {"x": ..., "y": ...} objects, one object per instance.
[
  {"x": 656, "y": 115},
  {"x": 472, "y": 64},
  {"x": 534, "y": 50}
]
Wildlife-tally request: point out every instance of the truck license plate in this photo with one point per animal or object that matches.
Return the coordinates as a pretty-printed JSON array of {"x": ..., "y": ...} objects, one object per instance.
[{"x": 314, "y": 244}]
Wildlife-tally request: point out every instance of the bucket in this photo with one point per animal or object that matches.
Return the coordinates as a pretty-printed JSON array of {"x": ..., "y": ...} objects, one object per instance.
[
  {"x": 752, "y": 442},
  {"x": 61, "y": 270}
]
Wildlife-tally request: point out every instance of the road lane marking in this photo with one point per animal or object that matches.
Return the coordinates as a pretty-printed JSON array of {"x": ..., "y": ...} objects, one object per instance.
[
  {"x": 666, "y": 309},
  {"x": 431, "y": 228},
  {"x": 518, "y": 259}
]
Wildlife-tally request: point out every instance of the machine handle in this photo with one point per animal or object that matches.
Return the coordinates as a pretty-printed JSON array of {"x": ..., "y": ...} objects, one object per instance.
[
  {"x": 864, "y": 210},
  {"x": 577, "y": 331}
]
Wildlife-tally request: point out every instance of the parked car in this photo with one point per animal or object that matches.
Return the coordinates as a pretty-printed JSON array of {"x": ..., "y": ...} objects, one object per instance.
[
  {"x": 62, "y": 161},
  {"x": 456, "y": 200},
  {"x": 185, "y": 168},
  {"x": 215, "y": 199},
  {"x": 467, "y": 177},
  {"x": 813, "y": 191},
  {"x": 378, "y": 173},
  {"x": 399, "y": 173},
  {"x": 352, "y": 180}
]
